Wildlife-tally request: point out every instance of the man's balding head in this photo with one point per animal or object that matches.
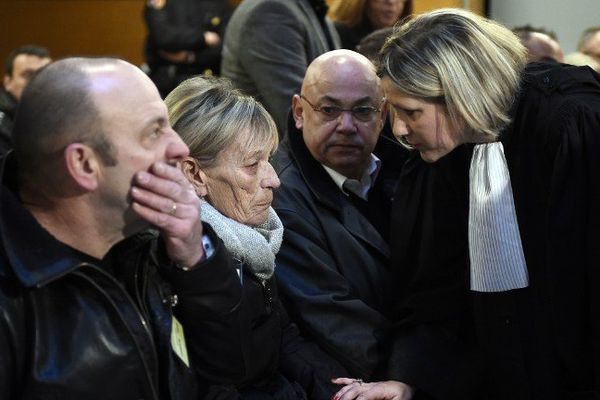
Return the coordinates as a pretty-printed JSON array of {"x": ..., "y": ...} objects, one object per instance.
[
  {"x": 337, "y": 64},
  {"x": 85, "y": 130},
  {"x": 59, "y": 107},
  {"x": 346, "y": 81},
  {"x": 541, "y": 44}
]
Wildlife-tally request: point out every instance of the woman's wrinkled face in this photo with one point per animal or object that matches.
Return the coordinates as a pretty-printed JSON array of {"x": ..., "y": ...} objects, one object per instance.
[
  {"x": 384, "y": 13},
  {"x": 240, "y": 185}
]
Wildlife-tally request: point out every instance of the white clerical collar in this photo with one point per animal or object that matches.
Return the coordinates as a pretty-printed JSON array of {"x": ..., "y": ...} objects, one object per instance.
[
  {"x": 495, "y": 247},
  {"x": 358, "y": 187}
]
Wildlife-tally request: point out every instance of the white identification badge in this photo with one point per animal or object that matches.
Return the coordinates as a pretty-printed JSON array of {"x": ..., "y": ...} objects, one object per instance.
[{"x": 178, "y": 341}]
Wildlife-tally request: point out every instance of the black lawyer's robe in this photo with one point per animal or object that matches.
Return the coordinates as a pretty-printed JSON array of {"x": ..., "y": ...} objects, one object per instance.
[{"x": 542, "y": 342}]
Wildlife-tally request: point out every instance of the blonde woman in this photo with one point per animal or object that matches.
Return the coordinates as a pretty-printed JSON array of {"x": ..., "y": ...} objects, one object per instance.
[{"x": 497, "y": 218}]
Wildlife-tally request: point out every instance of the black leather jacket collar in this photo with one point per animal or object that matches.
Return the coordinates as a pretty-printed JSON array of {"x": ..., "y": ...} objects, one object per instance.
[{"x": 35, "y": 257}]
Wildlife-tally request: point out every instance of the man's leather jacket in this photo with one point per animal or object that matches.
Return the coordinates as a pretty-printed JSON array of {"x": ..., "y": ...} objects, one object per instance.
[{"x": 72, "y": 327}]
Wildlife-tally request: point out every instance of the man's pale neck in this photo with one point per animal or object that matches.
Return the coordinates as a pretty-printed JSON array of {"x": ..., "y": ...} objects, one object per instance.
[{"x": 63, "y": 220}]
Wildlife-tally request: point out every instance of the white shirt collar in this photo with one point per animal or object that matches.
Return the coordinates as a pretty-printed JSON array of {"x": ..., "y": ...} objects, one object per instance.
[{"x": 358, "y": 187}]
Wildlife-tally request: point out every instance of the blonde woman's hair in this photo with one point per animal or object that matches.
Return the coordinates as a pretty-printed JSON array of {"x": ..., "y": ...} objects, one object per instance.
[
  {"x": 210, "y": 115},
  {"x": 469, "y": 63}
]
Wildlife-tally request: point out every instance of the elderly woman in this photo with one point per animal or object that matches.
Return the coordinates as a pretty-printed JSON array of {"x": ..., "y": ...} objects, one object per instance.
[
  {"x": 497, "y": 217},
  {"x": 231, "y": 137}
]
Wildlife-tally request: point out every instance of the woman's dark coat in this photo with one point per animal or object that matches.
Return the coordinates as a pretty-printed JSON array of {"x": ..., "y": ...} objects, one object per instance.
[{"x": 276, "y": 362}]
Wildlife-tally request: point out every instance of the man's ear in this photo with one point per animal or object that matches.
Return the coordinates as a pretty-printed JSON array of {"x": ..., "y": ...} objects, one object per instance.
[
  {"x": 83, "y": 165},
  {"x": 297, "y": 112},
  {"x": 6, "y": 81},
  {"x": 194, "y": 173}
]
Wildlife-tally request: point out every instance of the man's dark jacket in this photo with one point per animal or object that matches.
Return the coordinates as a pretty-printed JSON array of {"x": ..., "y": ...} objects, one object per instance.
[
  {"x": 8, "y": 105},
  {"x": 332, "y": 268},
  {"x": 268, "y": 46},
  {"x": 72, "y": 327}
]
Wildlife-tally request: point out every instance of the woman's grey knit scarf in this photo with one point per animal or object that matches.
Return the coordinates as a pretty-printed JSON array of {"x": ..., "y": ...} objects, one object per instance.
[{"x": 255, "y": 246}]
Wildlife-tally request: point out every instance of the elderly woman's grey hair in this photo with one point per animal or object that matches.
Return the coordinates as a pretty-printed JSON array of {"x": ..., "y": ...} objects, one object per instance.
[
  {"x": 210, "y": 115},
  {"x": 454, "y": 57}
]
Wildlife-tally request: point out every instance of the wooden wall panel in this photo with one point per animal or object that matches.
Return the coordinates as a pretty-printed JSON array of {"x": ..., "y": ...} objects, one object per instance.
[
  {"x": 74, "y": 27},
  {"x": 420, "y": 6},
  {"x": 103, "y": 27}
]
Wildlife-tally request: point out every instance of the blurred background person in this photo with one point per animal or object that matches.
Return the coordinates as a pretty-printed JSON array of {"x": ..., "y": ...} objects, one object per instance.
[
  {"x": 269, "y": 44},
  {"x": 20, "y": 65},
  {"x": 370, "y": 45},
  {"x": 231, "y": 137},
  {"x": 541, "y": 44},
  {"x": 355, "y": 19},
  {"x": 589, "y": 43},
  {"x": 580, "y": 59},
  {"x": 184, "y": 39}
]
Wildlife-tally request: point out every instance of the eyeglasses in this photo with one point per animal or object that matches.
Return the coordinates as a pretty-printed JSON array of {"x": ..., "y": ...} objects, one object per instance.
[{"x": 360, "y": 113}]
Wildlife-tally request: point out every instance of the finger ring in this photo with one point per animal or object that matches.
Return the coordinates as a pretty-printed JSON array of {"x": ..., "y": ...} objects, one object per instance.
[
  {"x": 173, "y": 209},
  {"x": 359, "y": 381}
]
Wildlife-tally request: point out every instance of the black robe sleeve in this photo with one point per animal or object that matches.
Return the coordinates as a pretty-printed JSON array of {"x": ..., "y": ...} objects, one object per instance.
[
  {"x": 431, "y": 347},
  {"x": 553, "y": 157}
]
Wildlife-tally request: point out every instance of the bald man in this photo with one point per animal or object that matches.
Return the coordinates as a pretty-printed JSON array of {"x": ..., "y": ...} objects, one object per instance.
[
  {"x": 91, "y": 307},
  {"x": 541, "y": 44},
  {"x": 334, "y": 202}
]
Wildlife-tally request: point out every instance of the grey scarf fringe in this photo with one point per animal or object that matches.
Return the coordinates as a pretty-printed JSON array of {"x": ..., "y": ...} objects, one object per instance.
[{"x": 255, "y": 246}]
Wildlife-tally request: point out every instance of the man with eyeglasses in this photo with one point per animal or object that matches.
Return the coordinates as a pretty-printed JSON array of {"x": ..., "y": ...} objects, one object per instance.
[{"x": 334, "y": 202}]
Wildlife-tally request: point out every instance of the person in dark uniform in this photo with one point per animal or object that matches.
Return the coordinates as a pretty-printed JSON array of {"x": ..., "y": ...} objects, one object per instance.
[{"x": 184, "y": 39}]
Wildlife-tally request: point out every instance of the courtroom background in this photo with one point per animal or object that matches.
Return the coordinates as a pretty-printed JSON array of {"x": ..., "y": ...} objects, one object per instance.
[
  {"x": 97, "y": 27},
  {"x": 115, "y": 27}
]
